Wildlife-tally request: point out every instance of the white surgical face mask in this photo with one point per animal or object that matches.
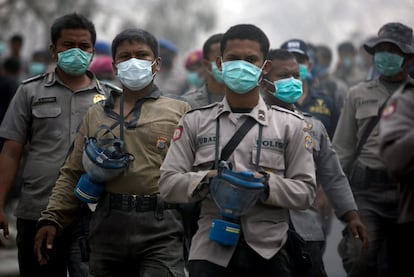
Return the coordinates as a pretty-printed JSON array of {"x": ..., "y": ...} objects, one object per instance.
[{"x": 135, "y": 74}]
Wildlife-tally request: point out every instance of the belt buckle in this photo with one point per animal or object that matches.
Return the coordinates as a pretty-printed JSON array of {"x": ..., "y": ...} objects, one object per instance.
[
  {"x": 133, "y": 201},
  {"x": 145, "y": 203}
]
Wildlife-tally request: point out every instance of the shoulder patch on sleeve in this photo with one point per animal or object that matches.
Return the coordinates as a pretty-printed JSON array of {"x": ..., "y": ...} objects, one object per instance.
[
  {"x": 277, "y": 108},
  {"x": 389, "y": 109},
  {"x": 177, "y": 133}
]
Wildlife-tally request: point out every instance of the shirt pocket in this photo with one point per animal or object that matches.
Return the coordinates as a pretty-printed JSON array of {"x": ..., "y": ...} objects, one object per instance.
[
  {"x": 46, "y": 111},
  {"x": 46, "y": 122},
  {"x": 270, "y": 161},
  {"x": 366, "y": 111}
]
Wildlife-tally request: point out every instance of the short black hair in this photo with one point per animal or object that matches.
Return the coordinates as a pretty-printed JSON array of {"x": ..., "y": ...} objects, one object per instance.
[
  {"x": 16, "y": 38},
  {"x": 347, "y": 47},
  {"x": 216, "y": 38},
  {"x": 324, "y": 54},
  {"x": 71, "y": 21},
  {"x": 280, "y": 55},
  {"x": 135, "y": 34},
  {"x": 246, "y": 31}
]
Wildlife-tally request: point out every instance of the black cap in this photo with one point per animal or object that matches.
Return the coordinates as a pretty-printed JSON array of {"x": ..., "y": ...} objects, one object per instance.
[
  {"x": 396, "y": 33},
  {"x": 296, "y": 46}
]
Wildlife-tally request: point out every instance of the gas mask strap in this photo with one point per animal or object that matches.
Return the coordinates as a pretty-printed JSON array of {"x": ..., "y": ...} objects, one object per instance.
[{"x": 121, "y": 117}]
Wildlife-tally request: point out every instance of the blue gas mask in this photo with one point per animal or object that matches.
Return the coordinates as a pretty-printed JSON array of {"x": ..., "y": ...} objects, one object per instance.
[
  {"x": 234, "y": 193},
  {"x": 103, "y": 161}
]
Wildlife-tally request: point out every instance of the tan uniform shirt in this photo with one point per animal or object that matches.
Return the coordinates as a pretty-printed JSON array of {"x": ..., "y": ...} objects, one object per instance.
[
  {"x": 363, "y": 102},
  {"x": 286, "y": 153},
  {"x": 397, "y": 147},
  {"x": 148, "y": 142},
  {"x": 45, "y": 115}
]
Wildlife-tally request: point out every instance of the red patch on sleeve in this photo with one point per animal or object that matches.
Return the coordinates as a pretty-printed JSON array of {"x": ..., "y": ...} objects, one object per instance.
[{"x": 177, "y": 133}]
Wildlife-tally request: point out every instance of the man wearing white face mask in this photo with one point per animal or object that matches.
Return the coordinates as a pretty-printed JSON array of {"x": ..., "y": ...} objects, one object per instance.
[
  {"x": 132, "y": 229},
  {"x": 273, "y": 153}
]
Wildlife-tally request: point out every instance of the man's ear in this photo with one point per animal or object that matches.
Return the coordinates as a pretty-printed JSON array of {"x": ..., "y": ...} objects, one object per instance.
[
  {"x": 218, "y": 62},
  {"x": 52, "y": 52},
  {"x": 158, "y": 64},
  {"x": 114, "y": 69},
  {"x": 267, "y": 67}
]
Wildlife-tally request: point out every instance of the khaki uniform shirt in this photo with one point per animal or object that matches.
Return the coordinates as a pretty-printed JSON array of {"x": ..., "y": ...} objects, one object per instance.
[
  {"x": 146, "y": 138},
  {"x": 330, "y": 176},
  {"x": 286, "y": 153},
  {"x": 363, "y": 102},
  {"x": 201, "y": 96},
  {"x": 45, "y": 115},
  {"x": 397, "y": 146}
]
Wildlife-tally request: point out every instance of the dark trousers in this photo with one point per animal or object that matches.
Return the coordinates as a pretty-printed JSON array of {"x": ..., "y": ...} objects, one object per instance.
[
  {"x": 127, "y": 242},
  {"x": 245, "y": 262},
  {"x": 65, "y": 252},
  {"x": 400, "y": 250},
  {"x": 315, "y": 250}
]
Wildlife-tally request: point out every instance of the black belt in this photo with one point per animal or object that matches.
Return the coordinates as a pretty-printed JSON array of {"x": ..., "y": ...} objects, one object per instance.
[{"x": 140, "y": 203}]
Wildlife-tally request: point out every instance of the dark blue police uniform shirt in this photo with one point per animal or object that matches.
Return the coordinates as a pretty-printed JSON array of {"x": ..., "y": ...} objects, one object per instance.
[{"x": 322, "y": 107}]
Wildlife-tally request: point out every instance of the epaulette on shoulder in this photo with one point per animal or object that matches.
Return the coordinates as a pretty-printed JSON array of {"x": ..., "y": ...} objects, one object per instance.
[
  {"x": 305, "y": 114},
  {"x": 206, "y": 107},
  {"x": 280, "y": 109},
  {"x": 110, "y": 86},
  {"x": 34, "y": 78}
]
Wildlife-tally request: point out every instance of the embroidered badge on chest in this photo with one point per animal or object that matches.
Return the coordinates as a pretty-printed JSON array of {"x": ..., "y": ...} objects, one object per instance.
[{"x": 161, "y": 143}]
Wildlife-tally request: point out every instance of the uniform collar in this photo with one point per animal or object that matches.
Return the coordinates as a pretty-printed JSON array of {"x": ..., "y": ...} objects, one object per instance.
[
  {"x": 259, "y": 112},
  {"x": 52, "y": 78}
]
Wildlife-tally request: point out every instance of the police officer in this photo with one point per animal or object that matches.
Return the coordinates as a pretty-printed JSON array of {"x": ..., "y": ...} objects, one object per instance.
[
  {"x": 357, "y": 144},
  {"x": 396, "y": 149},
  {"x": 276, "y": 145},
  {"x": 132, "y": 230},
  {"x": 212, "y": 90},
  {"x": 319, "y": 105},
  {"x": 40, "y": 124},
  {"x": 283, "y": 87}
]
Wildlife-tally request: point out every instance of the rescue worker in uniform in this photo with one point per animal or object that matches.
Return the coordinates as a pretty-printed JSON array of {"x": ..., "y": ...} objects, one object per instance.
[
  {"x": 357, "y": 143},
  {"x": 213, "y": 89},
  {"x": 320, "y": 105},
  {"x": 282, "y": 87},
  {"x": 132, "y": 229},
  {"x": 396, "y": 149},
  {"x": 40, "y": 126},
  {"x": 276, "y": 145}
]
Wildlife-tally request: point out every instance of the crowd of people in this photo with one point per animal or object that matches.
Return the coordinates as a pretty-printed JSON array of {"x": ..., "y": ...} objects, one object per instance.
[{"x": 122, "y": 163}]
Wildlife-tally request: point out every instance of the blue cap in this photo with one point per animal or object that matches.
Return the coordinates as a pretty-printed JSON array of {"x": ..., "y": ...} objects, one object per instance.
[
  {"x": 102, "y": 47},
  {"x": 168, "y": 45}
]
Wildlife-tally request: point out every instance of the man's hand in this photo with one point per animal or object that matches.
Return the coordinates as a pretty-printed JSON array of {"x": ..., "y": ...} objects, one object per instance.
[
  {"x": 44, "y": 243},
  {"x": 4, "y": 224},
  {"x": 357, "y": 228}
]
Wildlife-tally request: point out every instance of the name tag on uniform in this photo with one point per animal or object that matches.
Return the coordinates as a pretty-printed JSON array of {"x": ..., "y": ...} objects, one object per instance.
[{"x": 45, "y": 100}]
